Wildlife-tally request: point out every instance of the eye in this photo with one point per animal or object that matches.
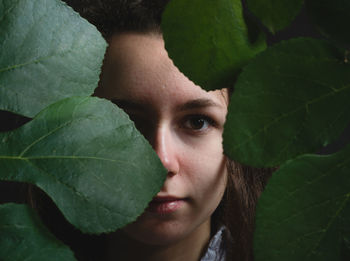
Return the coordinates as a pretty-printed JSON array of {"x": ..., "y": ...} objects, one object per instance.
[{"x": 198, "y": 122}]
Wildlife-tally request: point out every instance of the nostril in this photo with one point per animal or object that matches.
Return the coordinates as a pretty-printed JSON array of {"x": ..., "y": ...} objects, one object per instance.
[{"x": 171, "y": 173}]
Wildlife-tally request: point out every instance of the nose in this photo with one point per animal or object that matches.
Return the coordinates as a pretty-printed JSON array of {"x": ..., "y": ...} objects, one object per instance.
[{"x": 164, "y": 144}]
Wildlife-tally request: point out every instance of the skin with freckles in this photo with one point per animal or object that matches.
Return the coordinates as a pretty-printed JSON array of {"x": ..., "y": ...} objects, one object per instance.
[{"x": 184, "y": 124}]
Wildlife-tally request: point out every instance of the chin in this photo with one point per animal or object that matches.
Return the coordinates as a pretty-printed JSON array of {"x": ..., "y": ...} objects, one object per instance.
[{"x": 163, "y": 233}]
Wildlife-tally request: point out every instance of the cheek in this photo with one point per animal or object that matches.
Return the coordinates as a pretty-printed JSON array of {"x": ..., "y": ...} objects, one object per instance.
[
  {"x": 208, "y": 189},
  {"x": 207, "y": 174},
  {"x": 212, "y": 177},
  {"x": 205, "y": 157}
]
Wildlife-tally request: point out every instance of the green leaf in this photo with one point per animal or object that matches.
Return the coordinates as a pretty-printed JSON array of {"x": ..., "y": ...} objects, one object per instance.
[
  {"x": 86, "y": 154},
  {"x": 290, "y": 100},
  {"x": 208, "y": 40},
  {"x": 275, "y": 14},
  {"x": 331, "y": 17},
  {"x": 304, "y": 212},
  {"x": 48, "y": 52},
  {"x": 24, "y": 237}
]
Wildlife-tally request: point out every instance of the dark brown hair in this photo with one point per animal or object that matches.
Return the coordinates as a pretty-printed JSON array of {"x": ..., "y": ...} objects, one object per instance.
[
  {"x": 113, "y": 16},
  {"x": 237, "y": 208}
]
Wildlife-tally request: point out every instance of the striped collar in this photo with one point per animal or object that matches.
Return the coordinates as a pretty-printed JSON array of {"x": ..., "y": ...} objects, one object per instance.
[{"x": 217, "y": 249}]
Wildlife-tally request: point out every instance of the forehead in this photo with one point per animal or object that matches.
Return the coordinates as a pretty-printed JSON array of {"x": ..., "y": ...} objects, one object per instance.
[{"x": 137, "y": 67}]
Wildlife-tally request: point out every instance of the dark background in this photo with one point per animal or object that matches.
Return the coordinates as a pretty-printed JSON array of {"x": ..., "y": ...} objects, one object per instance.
[{"x": 301, "y": 27}]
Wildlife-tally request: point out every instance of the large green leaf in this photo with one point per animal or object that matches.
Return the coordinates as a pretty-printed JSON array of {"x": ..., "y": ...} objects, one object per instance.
[
  {"x": 290, "y": 100},
  {"x": 304, "y": 212},
  {"x": 24, "y": 237},
  {"x": 275, "y": 14},
  {"x": 48, "y": 52},
  {"x": 208, "y": 40},
  {"x": 331, "y": 17},
  {"x": 88, "y": 157}
]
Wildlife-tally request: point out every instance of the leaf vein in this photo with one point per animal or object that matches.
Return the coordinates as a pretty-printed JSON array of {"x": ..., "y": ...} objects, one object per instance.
[
  {"x": 284, "y": 115},
  {"x": 328, "y": 172},
  {"x": 43, "y": 137},
  {"x": 330, "y": 223},
  {"x": 79, "y": 194}
]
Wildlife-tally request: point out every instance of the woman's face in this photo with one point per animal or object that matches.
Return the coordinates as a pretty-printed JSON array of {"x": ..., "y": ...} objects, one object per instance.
[{"x": 183, "y": 123}]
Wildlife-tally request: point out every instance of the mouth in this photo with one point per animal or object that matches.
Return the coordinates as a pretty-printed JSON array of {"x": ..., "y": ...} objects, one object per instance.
[{"x": 165, "y": 205}]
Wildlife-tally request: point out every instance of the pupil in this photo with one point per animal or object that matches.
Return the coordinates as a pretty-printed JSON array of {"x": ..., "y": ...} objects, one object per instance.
[{"x": 197, "y": 123}]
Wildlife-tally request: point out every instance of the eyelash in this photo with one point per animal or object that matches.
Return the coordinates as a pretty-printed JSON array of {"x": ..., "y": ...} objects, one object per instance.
[{"x": 207, "y": 120}]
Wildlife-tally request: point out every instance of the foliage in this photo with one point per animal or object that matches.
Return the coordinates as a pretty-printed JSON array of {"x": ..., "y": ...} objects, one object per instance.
[
  {"x": 288, "y": 100},
  {"x": 281, "y": 109},
  {"x": 24, "y": 237},
  {"x": 47, "y": 51},
  {"x": 93, "y": 175},
  {"x": 332, "y": 18},
  {"x": 275, "y": 14},
  {"x": 316, "y": 223},
  {"x": 210, "y": 37}
]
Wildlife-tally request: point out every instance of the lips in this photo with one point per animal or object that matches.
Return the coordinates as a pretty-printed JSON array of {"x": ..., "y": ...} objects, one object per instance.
[{"x": 165, "y": 205}]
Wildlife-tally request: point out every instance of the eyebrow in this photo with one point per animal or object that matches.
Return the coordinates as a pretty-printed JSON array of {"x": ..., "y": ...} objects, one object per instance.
[
  {"x": 197, "y": 104},
  {"x": 190, "y": 105}
]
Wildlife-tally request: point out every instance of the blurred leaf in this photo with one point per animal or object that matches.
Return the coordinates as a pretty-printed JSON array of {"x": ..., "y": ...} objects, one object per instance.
[
  {"x": 24, "y": 237},
  {"x": 47, "y": 52},
  {"x": 208, "y": 40},
  {"x": 304, "y": 212},
  {"x": 275, "y": 14},
  {"x": 88, "y": 157},
  {"x": 331, "y": 17},
  {"x": 290, "y": 100}
]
